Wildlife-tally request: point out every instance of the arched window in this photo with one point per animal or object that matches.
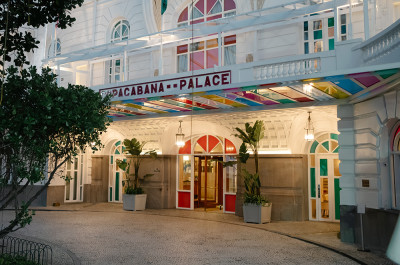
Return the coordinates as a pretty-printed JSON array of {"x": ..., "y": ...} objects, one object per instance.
[
  {"x": 204, "y": 54},
  {"x": 203, "y": 10},
  {"x": 120, "y": 31},
  {"x": 116, "y": 174},
  {"x": 395, "y": 163},
  {"x": 54, "y": 48}
]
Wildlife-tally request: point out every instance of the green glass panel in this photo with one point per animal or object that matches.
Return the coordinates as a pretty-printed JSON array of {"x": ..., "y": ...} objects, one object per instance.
[
  {"x": 326, "y": 145},
  {"x": 306, "y": 48},
  {"x": 387, "y": 73},
  {"x": 337, "y": 199},
  {"x": 331, "y": 44},
  {"x": 112, "y": 160},
  {"x": 336, "y": 150},
  {"x": 323, "y": 167},
  {"x": 305, "y": 25},
  {"x": 117, "y": 143},
  {"x": 117, "y": 152},
  {"x": 343, "y": 29},
  {"x": 314, "y": 146},
  {"x": 317, "y": 34},
  {"x": 123, "y": 149},
  {"x": 334, "y": 136},
  {"x": 117, "y": 186},
  {"x": 331, "y": 22},
  {"x": 312, "y": 182},
  {"x": 110, "y": 194}
]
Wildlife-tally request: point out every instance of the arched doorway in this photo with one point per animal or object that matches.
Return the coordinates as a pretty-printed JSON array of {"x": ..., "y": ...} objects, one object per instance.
[
  {"x": 74, "y": 179},
  {"x": 116, "y": 174},
  {"x": 324, "y": 191},
  {"x": 202, "y": 182}
]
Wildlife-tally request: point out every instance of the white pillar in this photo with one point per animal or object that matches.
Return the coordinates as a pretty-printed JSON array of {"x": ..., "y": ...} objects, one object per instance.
[
  {"x": 373, "y": 17},
  {"x": 90, "y": 74},
  {"x": 94, "y": 22},
  {"x": 350, "y": 28},
  {"x": 160, "y": 66},
  {"x": 219, "y": 49},
  {"x": 125, "y": 66},
  {"x": 366, "y": 20},
  {"x": 336, "y": 21}
]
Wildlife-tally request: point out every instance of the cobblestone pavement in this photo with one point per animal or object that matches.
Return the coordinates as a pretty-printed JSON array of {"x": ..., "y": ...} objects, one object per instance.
[{"x": 105, "y": 234}]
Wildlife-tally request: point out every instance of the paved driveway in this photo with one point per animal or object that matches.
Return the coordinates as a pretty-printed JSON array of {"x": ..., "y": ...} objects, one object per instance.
[{"x": 140, "y": 238}]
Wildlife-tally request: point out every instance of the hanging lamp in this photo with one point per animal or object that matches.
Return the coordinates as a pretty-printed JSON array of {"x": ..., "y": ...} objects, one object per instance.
[
  {"x": 309, "y": 134},
  {"x": 180, "y": 136}
]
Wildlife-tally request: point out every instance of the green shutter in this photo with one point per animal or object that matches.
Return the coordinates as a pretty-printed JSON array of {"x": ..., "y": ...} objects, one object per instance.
[
  {"x": 312, "y": 182},
  {"x": 117, "y": 186},
  {"x": 337, "y": 199},
  {"x": 323, "y": 167}
]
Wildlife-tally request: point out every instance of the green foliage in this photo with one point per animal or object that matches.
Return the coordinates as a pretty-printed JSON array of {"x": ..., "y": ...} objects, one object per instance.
[
  {"x": 6, "y": 259},
  {"x": 252, "y": 185},
  {"x": 134, "y": 149}
]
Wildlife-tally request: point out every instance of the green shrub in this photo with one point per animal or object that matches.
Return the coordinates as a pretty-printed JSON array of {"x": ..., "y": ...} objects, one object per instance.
[{"x": 6, "y": 259}]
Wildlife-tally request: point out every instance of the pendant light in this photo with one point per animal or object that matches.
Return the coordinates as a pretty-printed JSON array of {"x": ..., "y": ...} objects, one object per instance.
[
  {"x": 309, "y": 134},
  {"x": 180, "y": 136}
]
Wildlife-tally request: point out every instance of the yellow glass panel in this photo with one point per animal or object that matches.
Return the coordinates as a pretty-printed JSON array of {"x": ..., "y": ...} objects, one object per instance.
[
  {"x": 331, "y": 90},
  {"x": 324, "y": 198},
  {"x": 334, "y": 145},
  {"x": 321, "y": 149},
  {"x": 312, "y": 160},
  {"x": 323, "y": 138},
  {"x": 314, "y": 208},
  {"x": 198, "y": 149},
  {"x": 336, "y": 163},
  {"x": 217, "y": 149},
  {"x": 212, "y": 43}
]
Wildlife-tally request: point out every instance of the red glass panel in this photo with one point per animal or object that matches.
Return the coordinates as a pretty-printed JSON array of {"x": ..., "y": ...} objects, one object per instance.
[
  {"x": 197, "y": 61},
  {"x": 186, "y": 149},
  {"x": 229, "y": 147},
  {"x": 183, "y": 199},
  {"x": 212, "y": 58},
  {"x": 210, "y": 4},
  {"x": 203, "y": 142},
  {"x": 230, "y": 40},
  {"x": 197, "y": 21},
  {"x": 214, "y": 17},
  {"x": 230, "y": 201},
  {"x": 183, "y": 16},
  {"x": 200, "y": 5},
  {"x": 182, "y": 49},
  {"x": 212, "y": 142},
  {"x": 229, "y": 5}
]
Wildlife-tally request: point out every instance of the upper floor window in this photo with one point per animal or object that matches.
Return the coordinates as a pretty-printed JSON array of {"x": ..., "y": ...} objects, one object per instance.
[
  {"x": 54, "y": 48},
  {"x": 120, "y": 31},
  {"x": 319, "y": 34},
  {"x": 206, "y": 10}
]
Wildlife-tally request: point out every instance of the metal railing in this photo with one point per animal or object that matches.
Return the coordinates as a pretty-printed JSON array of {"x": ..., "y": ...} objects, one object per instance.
[{"x": 34, "y": 251}]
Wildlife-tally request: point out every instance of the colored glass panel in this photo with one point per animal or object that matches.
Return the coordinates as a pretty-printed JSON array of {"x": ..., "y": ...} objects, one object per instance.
[
  {"x": 235, "y": 97},
  {"x": 337, "y": 199},
  {"x": 317, "y": 24},
  {"x": 331, "y": 90},
  {"x": 110, "y": 194},
  {"x": 230, "y": 201},
  {"x": 212, "y": 58},
  {"x": 117, "y": 143},
  {"x": 212, "y": 43},
  {"x": 387, "y": 73},
  {"x": 196, "y": 21},
  {"x": 323, "y": 167},
  {"x": 274, "y": 96},
  {"x": 305, "y": 25},
  {"x": 197, "y": 104},
  {"x": 229, "y": 147},
  {"x": 217, "y": 149},
  {"x": 312, "y": 183},
  {"x": 230, "y": 40},
  {"x": 183, "y": 199},
  {"x": 212, "y": 142},
  {"x": 112, "y": 160},
  {"x": 210, "y": 4},
  {"x": 117, "y": 152},
  {"x": 256, "y": 97},
  {"x": 343, "y": 29},
  {"x": 313, "y": 146},
  {"x": 334, "y": 145},
  {"x": 334, "y": 136},
  {"x": 117, "y": 186},
  {"x": 183, "y": 16},
  {"x": 336, "y": 150},
  {"x": 368, "y": 80},
  {"x": 331, "y": 22},
  {"x": 312, "y": 160},
  {"x": 197, "y": 46},
  {"x": 326, "y": 145},
  {"x": 214, "y": 17},
  {"x": 346, "y": 84},
  {"x": 317, "y": 34},
  {"x": 336, "y": 163},
  {"x": 331, "y": 44},
  {"x": 321, "y": 149},
  {"x": 291, "y": 93},
  {"x": 182, "y": 49},
  {"x": 200, "y": 6},
  {"x": 229, "y": 5},
  {"x": 197, "y": 61},
  {"x": 331, "y": 32},
  {"x": 186, "y": 149},
  {"x": 224, "y": 101},
  {"x": 217, "y": 8},
  {"x": 305, "y": 35},
  {"x": 306, "y": 48},
  {"x": 203, "y": 142},
  {"x": 314, "y": 208},
  {"x": 318, "y": 46}
]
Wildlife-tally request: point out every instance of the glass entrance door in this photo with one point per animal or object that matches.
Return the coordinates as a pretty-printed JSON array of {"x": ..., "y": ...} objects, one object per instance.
[
  {"x": 73, "y": 179},
  {"x": 208, "y": 190}
]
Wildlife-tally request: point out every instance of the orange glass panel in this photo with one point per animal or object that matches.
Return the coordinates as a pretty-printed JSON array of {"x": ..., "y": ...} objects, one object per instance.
[
  {"x": 336, "y": 163},
  {"x": 212, "y": 142},
  {"x": 229, "y": 147},
  {"x": 186, "y": 148},
  {"x": 334, "y": 145},
  {"x": 212, "y": 43},
  {"x": 313, "y": 209},
  {"x": 203, "y": 142},
  {"x": 312, "y": 160}
]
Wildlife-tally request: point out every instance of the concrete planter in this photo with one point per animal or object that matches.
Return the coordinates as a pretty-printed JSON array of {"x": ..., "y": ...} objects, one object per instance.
[
  {"x": 134, "y": 202},
  {"x": 258, "y": 214}
]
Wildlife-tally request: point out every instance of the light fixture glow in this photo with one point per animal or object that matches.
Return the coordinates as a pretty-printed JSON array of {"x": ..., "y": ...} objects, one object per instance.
[
  {"x": 186, "y": 158},
  {"x": 309, "y": 135},
  {"x": 180, "y": 136}
]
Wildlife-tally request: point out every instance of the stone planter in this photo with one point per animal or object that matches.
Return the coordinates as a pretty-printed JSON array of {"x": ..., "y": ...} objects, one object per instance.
[
  {"x": 134, "y": 202},
  {"x": 258, "y": 214}
]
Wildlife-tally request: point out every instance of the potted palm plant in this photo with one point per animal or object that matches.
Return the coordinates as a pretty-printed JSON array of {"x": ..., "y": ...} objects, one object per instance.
[
  {"x": 256, "y": 208},
  {"x": 134, "y": 198}
]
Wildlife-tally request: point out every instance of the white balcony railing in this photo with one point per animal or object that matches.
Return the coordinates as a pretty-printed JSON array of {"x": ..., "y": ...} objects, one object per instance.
[{"x": 288, "y": 69}]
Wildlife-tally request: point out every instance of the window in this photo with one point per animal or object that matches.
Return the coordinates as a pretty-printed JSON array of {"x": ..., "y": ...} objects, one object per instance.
[
  {"x": 54, "y": 48},
  {"x": 206, "y": 10},
  {"x": 120, "y": 31},
  {"x": 395, "y": 166},
  {"x": 114, "y": 70},
  {"x": 319, "y": 34}
]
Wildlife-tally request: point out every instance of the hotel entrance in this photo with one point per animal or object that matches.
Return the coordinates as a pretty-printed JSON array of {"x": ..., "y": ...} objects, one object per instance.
[{"x": 202, "y": 181}]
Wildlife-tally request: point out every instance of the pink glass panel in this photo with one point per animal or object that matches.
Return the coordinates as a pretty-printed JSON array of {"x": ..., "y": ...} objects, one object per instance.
[
  {"x": 230, "y": 40},
  {"x": 210, "y": 4},
  {"x": 197, "y": 21},
  {"x": 214, "y": 17},
  {"x": 197, "y": 61},
  {"x": 182, "y": 49},
  {"x": 184, "y": 15},
  {"x": 200, "y": 5},
  {"x": 212, "y": 58},
  {"x": 368, "y": 80},
  {"x": 229, "y": 5}
]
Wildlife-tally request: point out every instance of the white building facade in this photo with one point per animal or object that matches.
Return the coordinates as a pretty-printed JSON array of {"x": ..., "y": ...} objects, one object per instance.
[{"x": 217, "y": 64}]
